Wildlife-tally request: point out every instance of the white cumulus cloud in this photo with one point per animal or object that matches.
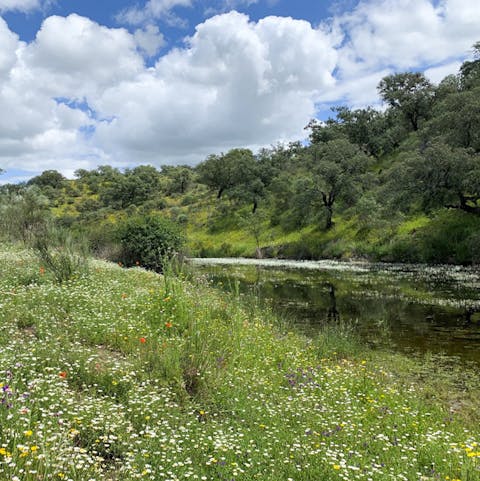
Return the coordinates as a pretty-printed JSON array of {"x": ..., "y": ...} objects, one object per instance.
[
  {"x": 237, "y": 83},
  {"x": 379, "y": 37},
  {"x": 80, "y": 94}
]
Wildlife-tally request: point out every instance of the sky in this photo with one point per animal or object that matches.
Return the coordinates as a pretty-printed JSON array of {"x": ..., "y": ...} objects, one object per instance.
[{"x": 85, "y": 83}]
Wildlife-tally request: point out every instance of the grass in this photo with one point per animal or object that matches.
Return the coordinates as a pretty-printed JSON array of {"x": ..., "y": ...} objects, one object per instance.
[{"x": 123, "y": 375}]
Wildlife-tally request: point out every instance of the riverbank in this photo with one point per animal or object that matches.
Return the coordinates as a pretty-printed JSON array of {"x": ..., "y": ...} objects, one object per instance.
[
  {"x": 443, "y": 237},
  {"x": 125, "y": 374}
]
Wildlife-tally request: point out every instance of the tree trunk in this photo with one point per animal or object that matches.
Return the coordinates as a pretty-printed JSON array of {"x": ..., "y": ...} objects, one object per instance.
[
  {"x": 329, "y": 221},
  {"x": 328, "y": 203},
  {"x": 471, "y": 209}
]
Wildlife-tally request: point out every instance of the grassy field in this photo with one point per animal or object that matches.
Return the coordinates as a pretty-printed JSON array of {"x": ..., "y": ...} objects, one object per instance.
[{"x": 124, "y": 374}]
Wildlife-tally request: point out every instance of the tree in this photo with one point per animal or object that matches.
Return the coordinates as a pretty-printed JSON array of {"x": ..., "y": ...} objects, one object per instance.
[
  {"x": 98, "y": 179},
  {"x": 440, "y": 176},
  {"x": 179, "y": 178},
  {"x": 217, "y": 173},
  {"x": 375, "y": 132},
  {"x": 456, "y": 119},
  {"x": 236, "y": 172},
  {"x": 338, "y": 168},
  {"x": 50, "y": 182},
  {"x": 470, "y": 70},
  {"x": 134, "y": 187},
  {"x": 48, "y": 178},
  {"x": 410, "y": 93}
]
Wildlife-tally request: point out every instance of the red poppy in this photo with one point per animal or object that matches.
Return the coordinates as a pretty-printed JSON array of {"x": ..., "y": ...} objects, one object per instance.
[
  {"x": 168, "y": 325},
  {"x": 63, "y": 374},
  {"x": 142, "y": 340}
]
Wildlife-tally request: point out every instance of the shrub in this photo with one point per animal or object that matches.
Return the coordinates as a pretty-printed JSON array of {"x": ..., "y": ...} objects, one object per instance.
[
  {"x": 23, "y": 213},
  {"x": 60, "y": 253},
  {"x": 150, "y": 241}
]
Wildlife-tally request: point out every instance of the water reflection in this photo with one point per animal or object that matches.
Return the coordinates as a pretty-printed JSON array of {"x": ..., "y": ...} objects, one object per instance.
[{"x": 407, "y": 308}]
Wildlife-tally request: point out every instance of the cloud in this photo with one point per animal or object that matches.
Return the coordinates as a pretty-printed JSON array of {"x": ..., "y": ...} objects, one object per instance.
[
  {"x": 149, "y": 40},
  {"x": 237, "y": 83},
  {"x": 9, "y": 42},
  {"x": 19, "y": 5},
  {"x": 74, "y": 56},
  {"x": 80, "y": 94},
  {"x": 71, "y": 58},
  {"x": 379, "y": 37},
  {"x": 437, "y": 74},
  {"x": 153, "y": 10}
]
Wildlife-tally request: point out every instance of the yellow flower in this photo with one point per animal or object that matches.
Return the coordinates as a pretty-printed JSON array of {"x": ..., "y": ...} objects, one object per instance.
[
  {"x": 28, "y": 433},
  {"x": 336, "y": 467},
  {"x": 33, "y": 448}
]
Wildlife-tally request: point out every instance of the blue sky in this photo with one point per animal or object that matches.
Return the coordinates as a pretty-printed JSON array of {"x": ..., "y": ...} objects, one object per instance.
[
  {"x": 105, "y": 12},
  {"x": 85, "y": 83}
]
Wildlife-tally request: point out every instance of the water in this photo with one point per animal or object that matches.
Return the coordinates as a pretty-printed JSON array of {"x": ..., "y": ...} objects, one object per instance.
[{"x": 410, "y": 308}]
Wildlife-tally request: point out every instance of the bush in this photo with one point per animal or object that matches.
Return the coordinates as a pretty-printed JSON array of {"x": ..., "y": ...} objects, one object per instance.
[
  {"x": 23, "y": 213},
  {"x": 150, "y": 241},
  {"x": 60, "y": 253}
]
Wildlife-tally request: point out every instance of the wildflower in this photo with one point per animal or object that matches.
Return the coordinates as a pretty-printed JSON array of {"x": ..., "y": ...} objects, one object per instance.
[
  {"x": 124, "y": 295},
  {"x": 33, "y": 448},
  {"x": 142, "y": 340},
  {"x": 336, "y": 467},
  {"x": 168, "y": 325},
  {"x": 28, "y": 433},
  {"x": 42, "y": 270},
  {"x": 63, "y": 374}
]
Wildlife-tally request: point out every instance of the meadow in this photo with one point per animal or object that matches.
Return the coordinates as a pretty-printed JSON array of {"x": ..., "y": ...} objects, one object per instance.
[{"x": 122, "y": 374}]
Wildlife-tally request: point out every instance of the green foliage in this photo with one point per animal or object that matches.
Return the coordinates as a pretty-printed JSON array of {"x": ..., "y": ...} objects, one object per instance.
[
  {"x": 338, "y": 167},
  {"x": 456, "y": 119},
  {"x": 59, "y": 253},
  {"x": 23, "y": 213},
  {"x": 439, "y": 176},
  {"x": 134, "y": 187},
  {"x": 179, "y": 178},
  {"x": 48, "y": 178},
  {"x": 149, "y": 241},
  {"x": 470, "y": 70},
  {"x": 410, "y": 93}
]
